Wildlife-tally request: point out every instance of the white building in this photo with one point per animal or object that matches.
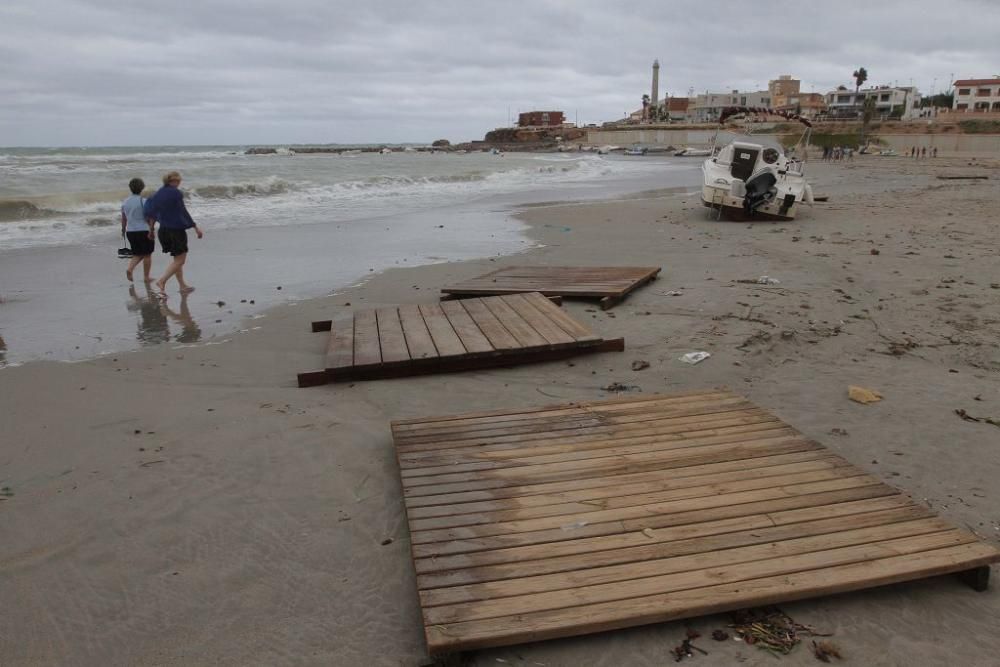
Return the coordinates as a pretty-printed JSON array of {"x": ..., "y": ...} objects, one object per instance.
[
  {"x": 976, "y": 94},
  {"x": 708, "y": 106},
  {"x": 899, "y": 100}
]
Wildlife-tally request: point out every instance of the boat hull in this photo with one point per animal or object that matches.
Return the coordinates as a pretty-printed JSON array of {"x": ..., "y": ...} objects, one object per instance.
[{"x": 731, "y": 207}]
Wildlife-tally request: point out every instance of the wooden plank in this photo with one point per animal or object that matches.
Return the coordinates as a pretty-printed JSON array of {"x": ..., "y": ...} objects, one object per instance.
[
  {"x": 698, "y": 538},
  {"x": 565, "y": 322},
  {"x": 647, "y": 501},
  {"x": 734, "y": 549},
  {"x": 539, "y": 319},
  {"x": 418, "y": 338},
  {"x": 635, "y": 446},
  {"x": 524, "y": 494},
  {"x": 883, "y": 568},
  {"x": 494, "y": 480},
  {"x": 391, "y": 338},
  {"x": 514, "y": 323},
  {"x": 632, "y": 462},
  {"x": 472, "y": 337},
  {"x": 766, "y": 515},
  {"x": 446, "y": 341},
  {"x": 340, "y": 350},
  {"x": 630, "y": 442},
  {"x": 641, "y": 516},
  {"x": 492, "y": 328},
  {"x": 367, "y": 350}
]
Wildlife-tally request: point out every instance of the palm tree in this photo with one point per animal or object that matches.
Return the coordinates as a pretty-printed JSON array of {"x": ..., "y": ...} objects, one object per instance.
[
  {"x": 645, "y": 106},
  {"x": 860, "y": 76}
]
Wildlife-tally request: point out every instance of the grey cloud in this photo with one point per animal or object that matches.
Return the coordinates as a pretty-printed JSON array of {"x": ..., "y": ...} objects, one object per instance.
[{"x": 211, "y": 71}]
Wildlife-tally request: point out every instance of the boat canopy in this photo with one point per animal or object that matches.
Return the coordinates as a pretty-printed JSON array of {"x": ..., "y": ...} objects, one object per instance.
[{"x": 729, "y": 112}]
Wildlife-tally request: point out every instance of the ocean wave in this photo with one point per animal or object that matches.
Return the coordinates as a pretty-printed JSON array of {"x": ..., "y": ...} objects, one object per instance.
[
  {"x": 269, "y": 186},
  {"x": 12, "y": 210}
]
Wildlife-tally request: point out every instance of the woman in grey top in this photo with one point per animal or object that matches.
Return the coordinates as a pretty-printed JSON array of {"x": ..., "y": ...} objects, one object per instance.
[{"x": 138, "y": 231}]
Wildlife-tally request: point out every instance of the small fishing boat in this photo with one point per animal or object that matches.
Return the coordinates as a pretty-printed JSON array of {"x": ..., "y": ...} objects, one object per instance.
[
  {"x": 687, "y": 151},
  {"x": 636, "y": 150},
  {"x": 754, "y": 177}
]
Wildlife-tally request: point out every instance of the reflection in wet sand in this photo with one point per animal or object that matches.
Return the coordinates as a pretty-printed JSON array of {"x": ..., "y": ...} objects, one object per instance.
[
  {"x": 3, "y": 352},
  {"x": 155, "y": 316}
]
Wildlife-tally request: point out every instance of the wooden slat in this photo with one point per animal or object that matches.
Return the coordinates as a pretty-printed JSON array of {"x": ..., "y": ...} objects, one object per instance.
[
  {"x": 707, "y": 600},
  {"x": 518, "y": 327},
  {"x": 636, "y": 576},
  {"x": 366, "y": 345},
  {"x": 442, "y": 333},
  {"x": 391, "y": 339},
  {"x": 539, "y": 319},
  {"x": 495, "y": 332},
  {"x": 554, "y": 521},
  {"x": 340, "y": 351},
  {"x": 565, "y": 322},
  {"x": 472, "y": 337},
  {"x": 664, "y": 543},
  {"x": 418, "y": 337}
]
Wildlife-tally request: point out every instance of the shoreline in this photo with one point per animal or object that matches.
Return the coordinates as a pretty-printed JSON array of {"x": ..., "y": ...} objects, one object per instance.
[{"x": 193, "y": 505}]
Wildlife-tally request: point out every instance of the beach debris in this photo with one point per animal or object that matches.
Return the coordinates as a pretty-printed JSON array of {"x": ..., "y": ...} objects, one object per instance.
[
  {"x": 838, "y": 431},
  {"x": 720, "y": 635},
  {"x": 387, "y": 541},
  {"x": 278, "y": 287},
  {"x": 771, "y": 629},
  {"x": 639, "y": 364},
  {"x": 220, "y": 303},
  {"x": 673, "y": 292},
  {"x": 863, "y": 395},
  {"x": 763, "y": 280},
  {"x": 694, "y": 357},
  {"x": 995, "y": 421},
  {"x": 618, "y": 386},
  {"x": 684, "y": 649},
  {"x": 875, "y": 251},
  {"x": 825, "y": 650}
]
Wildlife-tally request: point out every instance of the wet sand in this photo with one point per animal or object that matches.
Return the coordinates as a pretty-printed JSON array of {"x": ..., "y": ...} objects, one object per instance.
[{"x": 190, "y": 505}]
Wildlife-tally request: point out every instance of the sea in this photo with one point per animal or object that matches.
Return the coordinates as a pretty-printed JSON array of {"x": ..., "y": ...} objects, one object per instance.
[{"x": 278, "y": 227}]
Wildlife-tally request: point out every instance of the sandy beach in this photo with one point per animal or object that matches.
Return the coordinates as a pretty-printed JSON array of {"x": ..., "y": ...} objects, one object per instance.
[{"x": 182, "y": 504}]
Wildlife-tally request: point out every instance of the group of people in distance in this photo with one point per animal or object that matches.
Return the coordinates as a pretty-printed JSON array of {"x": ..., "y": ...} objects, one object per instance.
[
  {"x": 139, "y": 219},
  {"x": 922, "y": 152}
]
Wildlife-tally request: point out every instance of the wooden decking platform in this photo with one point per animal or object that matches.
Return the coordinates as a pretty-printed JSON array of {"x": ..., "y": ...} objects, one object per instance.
[
  {"x": 451, "y": 336},
  {"x": 608, "y": 283},
  {"x": 539, "y": 523}
]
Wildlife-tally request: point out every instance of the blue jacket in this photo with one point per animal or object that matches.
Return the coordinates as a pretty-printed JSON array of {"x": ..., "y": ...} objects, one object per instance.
[{"x": 167, "y": 208}]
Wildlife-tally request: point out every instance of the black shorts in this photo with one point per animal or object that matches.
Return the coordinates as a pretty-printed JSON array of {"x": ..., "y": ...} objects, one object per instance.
[
  {"x": 174, "y": 241},
  {"x": 140, "y": 243}
]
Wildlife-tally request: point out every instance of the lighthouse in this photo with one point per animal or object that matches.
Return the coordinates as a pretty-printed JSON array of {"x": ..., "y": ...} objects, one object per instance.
[{"x": 654, "y": 99}]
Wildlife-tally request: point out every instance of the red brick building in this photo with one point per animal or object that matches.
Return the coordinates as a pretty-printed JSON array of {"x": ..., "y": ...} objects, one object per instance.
[{"x": 541, "y": 119}]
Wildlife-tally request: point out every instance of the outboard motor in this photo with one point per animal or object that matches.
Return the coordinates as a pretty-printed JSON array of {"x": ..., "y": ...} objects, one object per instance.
[{"x": 760, "y": 190}]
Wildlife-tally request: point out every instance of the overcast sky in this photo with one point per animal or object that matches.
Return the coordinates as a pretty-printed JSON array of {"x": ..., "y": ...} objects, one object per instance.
[{"x": 100, "y": 72}]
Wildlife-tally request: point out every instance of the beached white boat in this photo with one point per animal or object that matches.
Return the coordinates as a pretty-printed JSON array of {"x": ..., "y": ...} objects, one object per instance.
[
  {"x": 687, "y": 151},
  {"x": 755, "y": 178},
  {"x": 604, "y": 150},
  {"x": 636, "y": 150}
]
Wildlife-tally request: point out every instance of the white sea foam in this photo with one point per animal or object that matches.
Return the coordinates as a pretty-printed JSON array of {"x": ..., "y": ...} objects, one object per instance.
[{"x": 43, "y": 200}]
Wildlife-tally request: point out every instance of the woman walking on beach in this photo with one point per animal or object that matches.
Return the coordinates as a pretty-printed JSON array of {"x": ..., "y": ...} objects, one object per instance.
[
  {"x": 138, "y": 231},
  {"x": 167, "y": 208}
]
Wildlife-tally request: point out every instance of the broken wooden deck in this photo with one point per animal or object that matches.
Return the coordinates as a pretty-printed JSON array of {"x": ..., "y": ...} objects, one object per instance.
[
  {"x": 540, "y": 523},
  {"x": 451, "y": 336},
  {"x": 608, "y": 283}
]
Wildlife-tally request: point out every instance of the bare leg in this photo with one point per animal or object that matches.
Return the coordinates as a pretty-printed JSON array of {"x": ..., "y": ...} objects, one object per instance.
[
  {"x": 172, "y": 269},
  {"x": 185, "y": 288},
  {"x": 147, "y": 266},
  {"x": 132, "y": 263}
]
